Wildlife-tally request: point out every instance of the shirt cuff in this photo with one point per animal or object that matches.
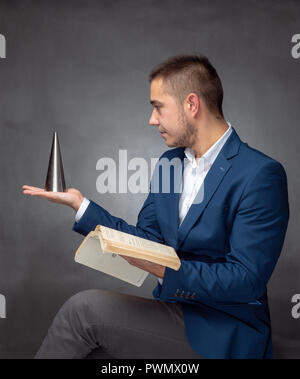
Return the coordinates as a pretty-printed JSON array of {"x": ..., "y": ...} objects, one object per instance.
[
  {"x": 85, "y": 203},
  {"x": 160, "y": 281}
]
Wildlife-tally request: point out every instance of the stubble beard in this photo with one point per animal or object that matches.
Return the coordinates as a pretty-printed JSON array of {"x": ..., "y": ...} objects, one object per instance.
[{"x": 189, "y": 133}]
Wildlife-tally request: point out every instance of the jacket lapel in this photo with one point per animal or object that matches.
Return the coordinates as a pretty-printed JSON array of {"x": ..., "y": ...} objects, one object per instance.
[
  {"x": 168, "y": 202},
  {"x": 211, "y": 182}
]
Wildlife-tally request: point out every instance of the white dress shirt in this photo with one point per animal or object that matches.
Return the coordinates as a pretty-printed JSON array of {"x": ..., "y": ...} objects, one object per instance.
[
  {"x": 194, "y": 173},
  {"x": 81, "y": 209}
]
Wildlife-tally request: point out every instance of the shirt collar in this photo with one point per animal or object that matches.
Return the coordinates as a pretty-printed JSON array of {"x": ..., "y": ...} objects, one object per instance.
[{"x": 210, "y": 155}]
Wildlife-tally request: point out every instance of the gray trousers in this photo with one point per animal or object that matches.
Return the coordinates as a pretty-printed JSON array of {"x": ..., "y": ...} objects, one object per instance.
[{"x": 106, "y": 324}]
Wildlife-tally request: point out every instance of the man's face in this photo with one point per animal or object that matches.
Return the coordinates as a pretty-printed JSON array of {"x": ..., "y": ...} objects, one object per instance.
[{"x": 169, "y": 117}]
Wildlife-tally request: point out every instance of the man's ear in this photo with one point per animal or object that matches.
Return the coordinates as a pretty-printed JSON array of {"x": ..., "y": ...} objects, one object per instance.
[{"x": 193, "y": 104}]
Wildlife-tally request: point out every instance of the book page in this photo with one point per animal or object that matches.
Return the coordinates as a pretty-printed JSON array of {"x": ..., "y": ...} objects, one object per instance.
[
  {"x": 137, "y": 242},
  {"x": 91, "y": 255}
]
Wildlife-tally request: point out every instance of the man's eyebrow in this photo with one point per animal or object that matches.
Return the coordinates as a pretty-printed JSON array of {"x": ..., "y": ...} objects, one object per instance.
[{"x": 155, "y": 102}]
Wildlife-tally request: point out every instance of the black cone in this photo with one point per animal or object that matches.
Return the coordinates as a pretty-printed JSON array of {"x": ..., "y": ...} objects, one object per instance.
[{"x": 55, "y": 176}]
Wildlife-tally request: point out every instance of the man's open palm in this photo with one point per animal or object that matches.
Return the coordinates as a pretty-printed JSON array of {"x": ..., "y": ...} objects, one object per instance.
[{"x": 72, "y": 197}]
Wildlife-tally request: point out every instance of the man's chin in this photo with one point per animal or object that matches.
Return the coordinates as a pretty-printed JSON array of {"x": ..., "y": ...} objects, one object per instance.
[
  {"x": 174, "y": 144},
  {"x": 169, "y": 143}
]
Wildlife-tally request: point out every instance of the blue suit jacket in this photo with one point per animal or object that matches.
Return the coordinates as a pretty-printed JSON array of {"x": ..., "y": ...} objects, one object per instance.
[{"x": 228, "y": 245}]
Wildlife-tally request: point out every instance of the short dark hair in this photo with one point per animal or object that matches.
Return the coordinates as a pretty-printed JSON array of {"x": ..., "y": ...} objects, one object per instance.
[{"x": 183, "y": 74}]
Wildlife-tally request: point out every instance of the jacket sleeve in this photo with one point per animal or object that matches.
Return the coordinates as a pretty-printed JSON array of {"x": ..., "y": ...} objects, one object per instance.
[
  {"x": 146, "y": 227},
  {"x": 256, "y": 240}
]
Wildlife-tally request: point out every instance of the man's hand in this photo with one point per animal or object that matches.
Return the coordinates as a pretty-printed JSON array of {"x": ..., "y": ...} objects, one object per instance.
[
  {"x": 153, "y": 268},
  {"x": 72, "y": 197}
]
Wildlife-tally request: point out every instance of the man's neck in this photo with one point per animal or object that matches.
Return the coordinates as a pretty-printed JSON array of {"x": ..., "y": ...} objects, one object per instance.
[{"x": 208, "y": 135}]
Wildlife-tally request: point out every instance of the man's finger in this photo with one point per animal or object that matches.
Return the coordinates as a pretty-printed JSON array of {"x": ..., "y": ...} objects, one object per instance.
[
  {"x": 44, "y": 194},
  {"x": 34, "y": 193},
  {"x": 25, "y": 187}
]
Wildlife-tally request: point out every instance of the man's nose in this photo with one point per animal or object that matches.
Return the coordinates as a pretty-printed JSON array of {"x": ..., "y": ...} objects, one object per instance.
[{"x": 153, "y": 119}]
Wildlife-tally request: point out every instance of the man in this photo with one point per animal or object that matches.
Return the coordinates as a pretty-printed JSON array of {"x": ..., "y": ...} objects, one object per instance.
[{"x": 215, "y": 305}]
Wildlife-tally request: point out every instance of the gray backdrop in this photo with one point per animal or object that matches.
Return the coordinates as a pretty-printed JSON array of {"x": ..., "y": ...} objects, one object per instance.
[{"x": 80, "y": 68}]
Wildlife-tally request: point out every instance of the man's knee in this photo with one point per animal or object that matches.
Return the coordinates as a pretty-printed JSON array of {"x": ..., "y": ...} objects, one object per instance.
[{"x": 85, "y": 304}]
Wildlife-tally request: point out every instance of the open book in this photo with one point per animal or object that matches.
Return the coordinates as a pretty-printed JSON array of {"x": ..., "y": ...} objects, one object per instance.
[{"x": 100, "y": 250}]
